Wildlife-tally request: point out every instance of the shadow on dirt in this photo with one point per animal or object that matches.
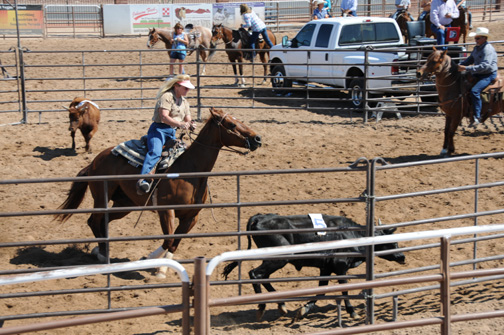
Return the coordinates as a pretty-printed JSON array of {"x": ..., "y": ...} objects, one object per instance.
[
  {"x": 48, "y": 154},
  {"x": 70, "y": 256},
  {"x": 325, "y": 101}
]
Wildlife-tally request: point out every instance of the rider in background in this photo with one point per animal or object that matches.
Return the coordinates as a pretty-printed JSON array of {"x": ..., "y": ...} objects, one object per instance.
[
  {"x": 402, "y": 5},
  {"x": 482, "y": 65},
  {"x": 462, "y": 3},
  {"x": 348, "y": 7},
  {"x": 256, "y": 24},
  {"x": 441, "y": 15},
  {"x": 320, "y": 12},
  {"x": 425, "y": 5}
]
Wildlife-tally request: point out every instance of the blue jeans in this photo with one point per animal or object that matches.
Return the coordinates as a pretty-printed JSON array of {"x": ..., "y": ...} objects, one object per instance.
[
  {"x": 253, "y": 39},
  {"x": 440, "y": 35},
  {"x": 423, "y": 15},
  {"x": 156, "y": 137},
  {"x": 353, "y": 12},
  {"x": 483, "y": 81}
]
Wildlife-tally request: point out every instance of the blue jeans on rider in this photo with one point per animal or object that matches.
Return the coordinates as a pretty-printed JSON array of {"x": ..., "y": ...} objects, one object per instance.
[
  {"x": 157, "y": 136},
  {"x": 423, "y": 15},
  {"x": 483, "y": 81},
  {"x": 253, "y": 39},
  {"x": 353, "y": 13},
  {"x": 440, "y": 35}
]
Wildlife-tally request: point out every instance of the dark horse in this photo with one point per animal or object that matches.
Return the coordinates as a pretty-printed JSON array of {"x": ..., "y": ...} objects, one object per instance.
[
  {"x": 233, "y": 45},
  {"x": 220, "y": 130},
  {"x": 460, "y": 22},
  {"x": 453, "y": 94},
  {"x": 401, "y": 20},
  {"x": 199, "y": 39}
]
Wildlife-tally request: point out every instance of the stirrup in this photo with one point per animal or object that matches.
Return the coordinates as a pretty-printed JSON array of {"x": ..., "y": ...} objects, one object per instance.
[{"x": 143, "y": 187}]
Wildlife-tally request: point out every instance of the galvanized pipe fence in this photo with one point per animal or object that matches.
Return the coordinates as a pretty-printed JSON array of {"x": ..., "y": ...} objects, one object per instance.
[
  {"x": 46, "y": 80},
  {"x": 364, "y": 172}
]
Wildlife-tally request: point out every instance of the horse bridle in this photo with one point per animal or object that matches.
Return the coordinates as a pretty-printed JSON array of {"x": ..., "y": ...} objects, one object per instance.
[{"x": 229, "y": 131}]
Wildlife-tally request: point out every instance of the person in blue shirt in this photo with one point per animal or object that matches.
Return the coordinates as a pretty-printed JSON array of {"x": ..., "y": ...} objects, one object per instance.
[
  {"x": 257, "y": 26},
  {"x": 482, "y": 65},
  {"x": 320, "y": 12},
  {"x": 348, "y": 7},
  {"x": 402, "y": 5}
]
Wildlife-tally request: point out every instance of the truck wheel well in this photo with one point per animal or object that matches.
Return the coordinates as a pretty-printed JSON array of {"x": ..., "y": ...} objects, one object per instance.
[{"x": 353, "y": 72}]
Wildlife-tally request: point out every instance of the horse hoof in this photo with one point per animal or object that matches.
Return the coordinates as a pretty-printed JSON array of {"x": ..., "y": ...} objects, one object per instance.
[
  {"x": 96, "y": 252},
  {"x": 444, "y": 153},
  {"x": 160, "y": 275},
  {"x": 259, "y": 314},
  {"x": 282, "y": 309},
  {"x": 301, "y": 313},
  {"x": 354, "y": 316}
]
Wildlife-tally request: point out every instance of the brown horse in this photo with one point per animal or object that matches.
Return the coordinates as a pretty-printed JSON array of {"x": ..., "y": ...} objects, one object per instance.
[
  {"x": 220, "y": 130},
  {"x": 199, "y": 38},
  {"x": 401, "y": 19},
  {"x": 235, "y": 55},
  {"x": 453, "y": 95},
  {"x": 460, "y": 22}
]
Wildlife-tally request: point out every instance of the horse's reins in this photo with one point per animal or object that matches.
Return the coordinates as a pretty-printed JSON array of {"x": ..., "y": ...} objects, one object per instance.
[{"x": 226, "y": 147}]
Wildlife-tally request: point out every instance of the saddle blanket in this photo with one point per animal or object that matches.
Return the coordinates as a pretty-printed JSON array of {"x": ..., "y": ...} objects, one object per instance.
[
  {"x": 318, "y": 222},
  {"x": 135, "y": 150}
]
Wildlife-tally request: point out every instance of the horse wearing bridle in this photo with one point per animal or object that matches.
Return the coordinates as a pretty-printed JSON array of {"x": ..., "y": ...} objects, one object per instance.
[
  {"x": 453, "y": 94},
  {"x": 221, "y": 130},
  {"x": 235, "y": 55}
]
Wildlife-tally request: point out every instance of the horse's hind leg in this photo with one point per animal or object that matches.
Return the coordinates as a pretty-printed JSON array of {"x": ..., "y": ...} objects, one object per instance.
[
  {"x": 262, "y": 55},
  {"x": 241, "y": 73}
]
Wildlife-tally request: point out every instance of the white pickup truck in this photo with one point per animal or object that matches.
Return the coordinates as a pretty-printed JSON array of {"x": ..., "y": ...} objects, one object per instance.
[{"x": 331, "y": 52}]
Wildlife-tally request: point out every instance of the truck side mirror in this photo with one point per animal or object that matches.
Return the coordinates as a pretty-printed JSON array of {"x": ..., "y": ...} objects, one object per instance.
[{"x": 285, "y": 41}]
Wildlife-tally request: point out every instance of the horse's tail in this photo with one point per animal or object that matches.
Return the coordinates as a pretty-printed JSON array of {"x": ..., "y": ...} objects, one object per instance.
[
  {"x": 230, "y": 267},
  {"x": 75, "y": 196}
]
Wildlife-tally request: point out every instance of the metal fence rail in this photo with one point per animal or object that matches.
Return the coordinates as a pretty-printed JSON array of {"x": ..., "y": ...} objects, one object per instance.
[{"x": 363, "y": 171}]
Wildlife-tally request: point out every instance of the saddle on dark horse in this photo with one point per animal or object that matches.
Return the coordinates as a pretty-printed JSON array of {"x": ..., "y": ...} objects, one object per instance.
[
  {"x": 135, "y": 150},
  {"x": 243, "y": 35}
]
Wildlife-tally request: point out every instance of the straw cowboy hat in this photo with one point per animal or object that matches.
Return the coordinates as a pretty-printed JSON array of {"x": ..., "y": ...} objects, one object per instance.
[
  {"x": 318, "y": 2},
  {"x": 480, "y": 31}
]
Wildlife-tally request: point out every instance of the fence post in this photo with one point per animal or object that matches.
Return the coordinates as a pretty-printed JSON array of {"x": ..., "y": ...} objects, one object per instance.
[
  {"x": 200, "y": 297},
  {"x": 370, "y": 209},
  {"x": 445, "y": 286}
]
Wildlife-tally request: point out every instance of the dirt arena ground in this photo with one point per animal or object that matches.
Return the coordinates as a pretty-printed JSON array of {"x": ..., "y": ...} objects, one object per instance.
[{"x": 293, "y": 139}]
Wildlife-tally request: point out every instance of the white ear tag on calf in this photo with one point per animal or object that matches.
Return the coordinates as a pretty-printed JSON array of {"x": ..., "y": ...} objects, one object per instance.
[{"x": 318, "y": 222}]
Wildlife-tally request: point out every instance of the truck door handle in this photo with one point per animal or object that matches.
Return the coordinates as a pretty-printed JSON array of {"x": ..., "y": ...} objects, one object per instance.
[
  {"x": 326, "y": 57},
  {"x": 309, "y": 54}
]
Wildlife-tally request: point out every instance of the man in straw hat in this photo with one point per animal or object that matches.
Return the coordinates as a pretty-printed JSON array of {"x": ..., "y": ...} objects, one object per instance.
[
  {"x": 320, "y": 12},
  {"x": 482, "y": 65},
  {"x": 257, "y": 26}
]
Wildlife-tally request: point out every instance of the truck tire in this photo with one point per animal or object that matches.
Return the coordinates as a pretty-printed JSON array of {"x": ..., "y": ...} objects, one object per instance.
[
  {"x": 278, "y": 77},
  {"x": 356, "y": 92}
]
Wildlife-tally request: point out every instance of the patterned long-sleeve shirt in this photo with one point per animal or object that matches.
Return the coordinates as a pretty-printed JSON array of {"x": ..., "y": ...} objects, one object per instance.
[{"x": 253, "y": 21}]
